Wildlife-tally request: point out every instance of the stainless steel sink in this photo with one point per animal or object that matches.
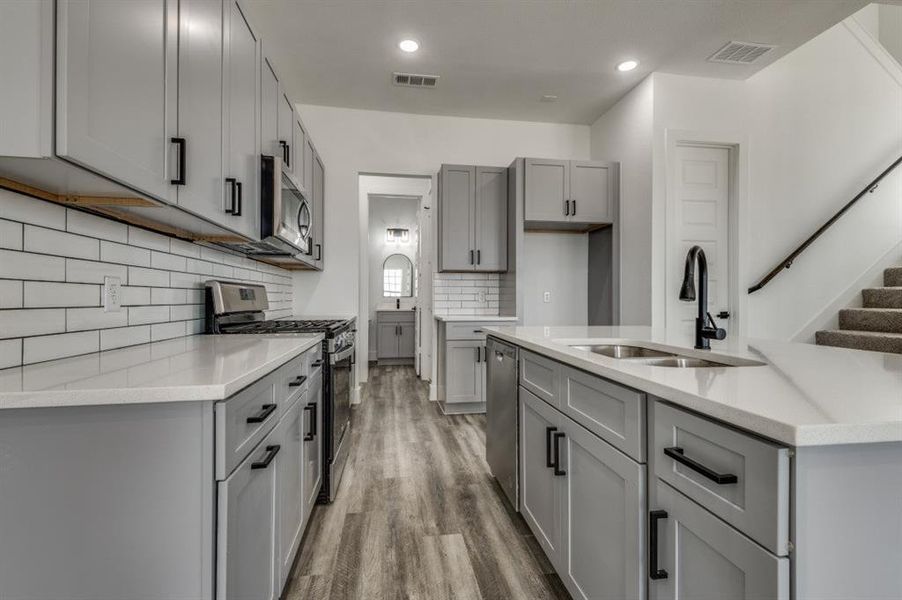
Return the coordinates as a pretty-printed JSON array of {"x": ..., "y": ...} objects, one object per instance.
[
  {"x": 621, "y": 351},
  {"x": 683, "y": 362}
]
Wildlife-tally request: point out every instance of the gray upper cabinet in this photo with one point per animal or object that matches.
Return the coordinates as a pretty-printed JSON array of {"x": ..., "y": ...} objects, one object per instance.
[
  {"x": 299, "y": 158},
  {"x": 200, "y": 186},
  {"x": 241, "y": 133},
  {"x": 270, "y": 97},
  {"x": 569, "y": 194},
  {"x": 116, "y": 89},
  {"x": 286, "y": 122},
  {"x": 472, "y": 218},
  {"x": 319, "y": 211}
]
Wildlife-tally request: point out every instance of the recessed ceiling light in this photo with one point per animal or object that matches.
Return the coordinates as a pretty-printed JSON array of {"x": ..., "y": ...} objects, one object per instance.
[
  {"x": 627, "y": 65},
  {"x": 409, "y": 45}
]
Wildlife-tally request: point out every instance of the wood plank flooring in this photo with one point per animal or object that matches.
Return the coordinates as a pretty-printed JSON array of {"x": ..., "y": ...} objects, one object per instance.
[{"x": 418, "y": 515}]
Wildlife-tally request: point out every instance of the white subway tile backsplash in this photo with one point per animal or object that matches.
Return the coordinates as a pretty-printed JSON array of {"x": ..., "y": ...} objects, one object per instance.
[
  {"x": 148, "y": 239},
  {"x": 82, "y": 319},
  {"x": 170, "y": 262},
  {"x": 199, "y": 266},
  {"x": 124, "y": 336},
  {"x": 140, "y": 315},
  {"x": 25, "y": 322},
  {"x": 78, "y": 221},
  {"x": 42, "y": 294},
  {"x": 185, "y": 280},
  {"x": 183, "y": 248},
  {"x": 24, "y": 209},
  {"x": 22, "y": 265},
  {"x": 124, "y": 254},
  {"x": 165, "y": 331},
  {"x": 466, "y": 293},
  {"x": 149, "y": 277},
  {"x": 10, "y": 293},
  {"x": 223, "y": 271},
  {"x": 168, "y": 296},
  {"x": 49, "y": 347},
  {"x": 60, "y": 243},
  {"x": 10, "y": 353},
  {"x": 83, "y": 271},
  {"x": 186, "y": 312},
  {"x": 132, "y": 296},
  {"x": 10, "y": 235}
]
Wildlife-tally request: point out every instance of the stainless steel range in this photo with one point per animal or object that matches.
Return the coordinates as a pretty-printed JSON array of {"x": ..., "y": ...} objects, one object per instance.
[{"x": 239, "y": 308}]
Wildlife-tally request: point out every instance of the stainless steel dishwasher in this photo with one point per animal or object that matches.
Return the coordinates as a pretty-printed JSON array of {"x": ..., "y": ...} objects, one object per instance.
[{"x": 502, "y": 416}]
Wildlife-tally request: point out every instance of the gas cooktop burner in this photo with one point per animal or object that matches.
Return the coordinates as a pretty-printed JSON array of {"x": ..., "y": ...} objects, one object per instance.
[{"x": 289, "y": 326}]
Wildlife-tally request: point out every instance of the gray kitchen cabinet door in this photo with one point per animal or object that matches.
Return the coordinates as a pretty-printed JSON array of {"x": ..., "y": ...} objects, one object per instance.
[
  {"x": 313, "y": 442},
  {"x": 547, "y": 189},
  {"x": 245, "y": 529},
  {"x": 289, "y": 466},
  {"x": 309, "y": 160},
  {"x": 591, "y": 192},
  {"x": 319, "y": 210},
  {"x": 299, "y": 158},
  {"x": 490, "y": 222},
  {"x": 388, "y": 346},
  {"x": 200, "y": 109},
  {"x": 241, "y": 108},
  {"x": 270, "y": 95},
  {"x": 703, "y": 558},
  {"x": 540, "y": 489},
  {"x": 116, "y": 89},
  {"x": 406, "y": 340},
  {"x": 286, "y": 131},
  {"x": 464, "y": 379},
  {"x": 602, "y": 512},
  {"x": 457, "y": 206}
]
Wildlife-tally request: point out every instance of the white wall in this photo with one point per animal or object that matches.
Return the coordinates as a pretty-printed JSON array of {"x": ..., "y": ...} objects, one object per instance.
[{"x": 360, "y": 141}]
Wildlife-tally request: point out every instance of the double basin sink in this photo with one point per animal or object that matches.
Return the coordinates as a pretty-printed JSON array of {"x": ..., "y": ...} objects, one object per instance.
[{"x": 662, "y": 358}]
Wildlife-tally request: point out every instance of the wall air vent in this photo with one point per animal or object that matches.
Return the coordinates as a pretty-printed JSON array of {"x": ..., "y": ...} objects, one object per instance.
[
  {"x": 414, "y": 80},
  {"x": 740, "y": 53}
]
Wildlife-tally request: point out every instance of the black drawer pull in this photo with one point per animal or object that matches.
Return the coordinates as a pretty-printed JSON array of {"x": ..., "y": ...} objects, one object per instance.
[
  {"x": 271, "y": 452},
  {"x": 566, "y": 208},
  {"x": 299, "y": 380},
  {"x": 180, "y": 180},
  {"x": 574, "y": 207},
  {"x": 317, "y": 363},
  {"x": 265, "y": 411},
  {"x": 653, "y": 571},
  {"x": 678, "y": 455},
  {"x": 549, "y": 461},
  {"x": 237, "y": 211},
  {"x": 319, "y": 252},
  {"x": 558, "y": 471},
  {"x": 311, "y": 431},
  {"x": 231, "y": 182},
  {"x": 286, "y": 153}
]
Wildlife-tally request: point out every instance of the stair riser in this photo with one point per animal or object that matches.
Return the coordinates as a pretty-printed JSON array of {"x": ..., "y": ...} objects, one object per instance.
[
  {"x": 892, "y": 277},
  {"x": 874, "y": 344},
  {"x": 882, "y": 298},
  {"x": 883, "y": 321}
]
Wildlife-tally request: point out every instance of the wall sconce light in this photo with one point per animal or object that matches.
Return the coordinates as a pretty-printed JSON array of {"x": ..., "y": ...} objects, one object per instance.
[{"x": 397, "y": 235}]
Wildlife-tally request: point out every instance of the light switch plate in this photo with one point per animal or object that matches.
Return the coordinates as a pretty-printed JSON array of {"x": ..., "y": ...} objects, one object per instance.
[
  {"x": 112, "y": 294},
  {"x": 546, "y": 297}
]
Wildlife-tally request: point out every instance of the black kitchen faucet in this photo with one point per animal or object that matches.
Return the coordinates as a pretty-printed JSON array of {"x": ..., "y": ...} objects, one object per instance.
[{"x": 705, "y": 327}]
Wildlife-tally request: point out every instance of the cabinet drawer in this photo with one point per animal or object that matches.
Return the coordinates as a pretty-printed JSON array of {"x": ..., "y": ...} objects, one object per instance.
[
  {"x": 314, "y": 360},
  {"x": 612, "y": 412},
  {"x": 401, "y": 316},
  {"x": 291, "y": 382},
  {"x": 469, "y": 330},
  {"x": 741, "y": 479},
  {"x": 541, "y": 376},
  {"x": 242, "y": 421}
]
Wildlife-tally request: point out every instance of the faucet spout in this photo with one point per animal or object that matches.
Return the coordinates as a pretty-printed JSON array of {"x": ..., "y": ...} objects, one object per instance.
[{"x": 705, "y": 327}]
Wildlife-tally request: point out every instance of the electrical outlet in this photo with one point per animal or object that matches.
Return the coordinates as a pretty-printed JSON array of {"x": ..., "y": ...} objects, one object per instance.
[
  {"x": 546, "y": 297},
  {"x": 112, "y": 294},
  {"x": 480, "y": 295}
]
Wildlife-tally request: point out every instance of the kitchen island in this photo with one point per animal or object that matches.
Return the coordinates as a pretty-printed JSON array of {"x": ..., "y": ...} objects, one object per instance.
[{"x": 776, "y": 474}]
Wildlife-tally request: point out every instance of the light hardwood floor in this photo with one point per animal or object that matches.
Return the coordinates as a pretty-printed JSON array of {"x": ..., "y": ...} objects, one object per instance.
[{"x": 418, "y": 515}]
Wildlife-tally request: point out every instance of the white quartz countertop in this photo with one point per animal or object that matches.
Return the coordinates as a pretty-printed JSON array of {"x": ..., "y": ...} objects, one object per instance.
[
  {"x": 804, "y": 395},
  {"x": 474, "y": 318},
  {"x": 194, "y": 368}
]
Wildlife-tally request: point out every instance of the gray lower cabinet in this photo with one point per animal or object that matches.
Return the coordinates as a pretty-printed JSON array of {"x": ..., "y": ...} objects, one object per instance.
[
  {"x": 473, "y": 219},
  {"x": 465, "y": 378},
  {"x": 396, "y": 335},
  {"x": 574, "y": 194},
  {"x": 313, "y": 442},
  {"x": 116, "y": 89},
  {"x": 699, "y": 557},
  {"x": 290, "y": 464}
]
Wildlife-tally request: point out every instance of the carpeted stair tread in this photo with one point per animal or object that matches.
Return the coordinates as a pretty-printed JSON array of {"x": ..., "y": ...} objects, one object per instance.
[
  {"x": 892, "y": 277},
  {"x": 888, "y": 320},
  {"x": 882, "y": 297},
  {"x": 862, "y": 340}
]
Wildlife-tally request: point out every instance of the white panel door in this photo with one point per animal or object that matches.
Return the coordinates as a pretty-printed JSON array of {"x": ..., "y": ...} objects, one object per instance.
[
  {"x": 116, "y": 89},
  {"x": 701, "y": 216}
]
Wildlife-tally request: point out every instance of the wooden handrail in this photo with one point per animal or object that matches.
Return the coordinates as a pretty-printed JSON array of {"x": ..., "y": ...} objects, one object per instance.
[{"x": 787, "y": 262}]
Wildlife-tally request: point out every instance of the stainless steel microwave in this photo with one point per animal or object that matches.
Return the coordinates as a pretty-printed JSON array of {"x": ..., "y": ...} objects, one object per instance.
[{"x": 286, "y": 214}]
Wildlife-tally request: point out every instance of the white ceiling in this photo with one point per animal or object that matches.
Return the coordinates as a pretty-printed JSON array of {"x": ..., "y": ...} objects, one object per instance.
[{"x": 496, "y": 58}]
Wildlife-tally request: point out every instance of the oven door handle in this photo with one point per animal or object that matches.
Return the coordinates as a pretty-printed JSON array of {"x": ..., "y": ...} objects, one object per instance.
[{"x": 340, "y": 356}]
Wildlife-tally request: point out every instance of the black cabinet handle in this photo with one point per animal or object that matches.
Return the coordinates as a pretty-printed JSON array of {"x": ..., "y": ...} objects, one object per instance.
[
  {"x": 311, "y": 431},
  {"x": 271, "y": 452},
  {"x": 573, "y": 212},
  {"x": 566, "y": 208},
  {"x": 724, "y": 314},
  {"x": 319, "y": 252},
  {"x": 317, "y": 363},
  {"x": 180, "y": 180},
  {"x": 549, "y": 461},
  {"x": 678, "y": 455},
  {"x": 286, "y": 152},
  {"x": 558, "y": 471},
  {"x": 265, "y": 411},
  {"x": 479, "y": 257},
  {"x": 231, "y": 209},
  {"x": 299, "y": 380},
  {"x": 471, "y": 257},
  {"x": 237, "y": 212},
  {"x": 653, "y": 571}
]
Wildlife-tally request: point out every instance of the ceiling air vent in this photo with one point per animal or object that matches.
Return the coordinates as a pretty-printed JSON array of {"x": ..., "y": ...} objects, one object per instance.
[
  {"x": 740, "y": 53},
  {"x": 414, "y": 80}
]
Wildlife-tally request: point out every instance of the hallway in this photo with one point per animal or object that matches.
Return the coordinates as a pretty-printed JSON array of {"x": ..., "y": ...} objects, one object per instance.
[{"x": 418, "y": 515}]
